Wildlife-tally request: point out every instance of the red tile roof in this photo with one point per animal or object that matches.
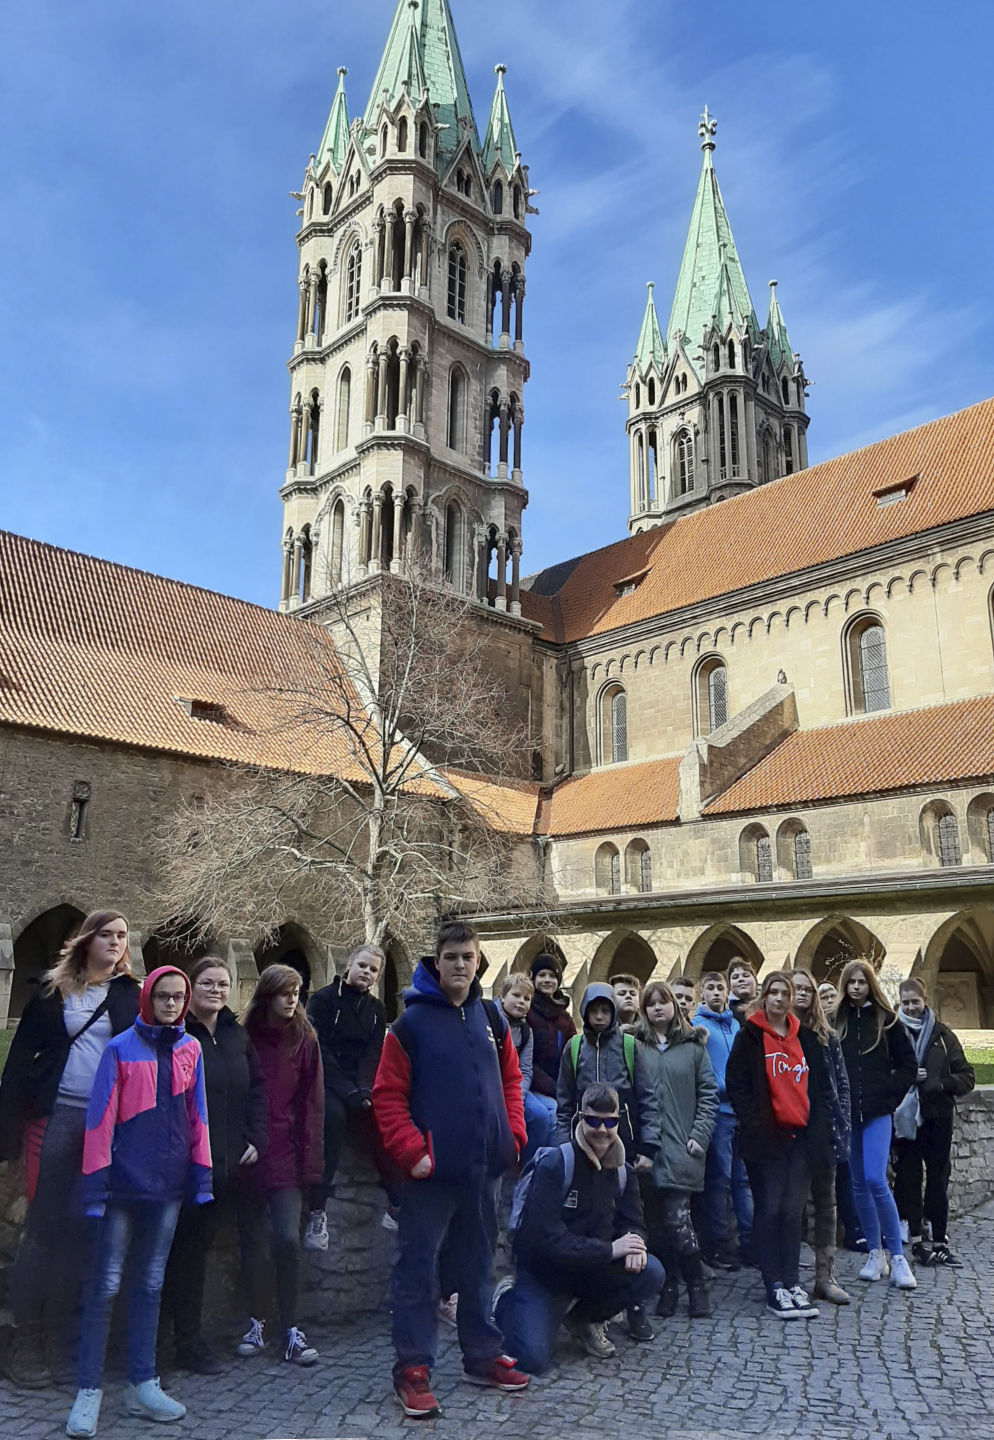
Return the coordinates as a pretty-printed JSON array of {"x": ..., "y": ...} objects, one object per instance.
[
  {"x": 807, "y": 519},
  {"x": 618, "y": 797},
  {"x": 868, "y": 755}
]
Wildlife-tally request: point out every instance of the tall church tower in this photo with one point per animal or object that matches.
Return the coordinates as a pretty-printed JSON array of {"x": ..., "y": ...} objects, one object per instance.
[
  {"x": 408, "y": 367},
  {"x": 717, "y": 405}
]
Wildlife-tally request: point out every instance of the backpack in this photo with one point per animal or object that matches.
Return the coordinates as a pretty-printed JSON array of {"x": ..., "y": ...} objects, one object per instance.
[
  {"x": 523, "y": 1184},
  {"x": 627, "y": 1044}
]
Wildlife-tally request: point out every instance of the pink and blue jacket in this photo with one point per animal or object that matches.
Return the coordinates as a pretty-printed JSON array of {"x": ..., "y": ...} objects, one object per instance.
[{"x": 146, "y": 1124}]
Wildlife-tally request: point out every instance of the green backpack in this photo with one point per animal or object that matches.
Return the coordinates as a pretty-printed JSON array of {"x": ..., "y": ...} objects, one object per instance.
[{"x": 628, "y": 1045}]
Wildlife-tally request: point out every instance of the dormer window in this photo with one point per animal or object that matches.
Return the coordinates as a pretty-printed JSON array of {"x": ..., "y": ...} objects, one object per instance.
[
  {"x": 894, "y": 494},
  {"x": 629, "y": 584},
  {"x": 209, "y": 710}
]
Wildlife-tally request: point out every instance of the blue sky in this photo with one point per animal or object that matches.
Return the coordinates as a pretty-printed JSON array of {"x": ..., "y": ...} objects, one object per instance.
[{"x": 147, "y": 258}]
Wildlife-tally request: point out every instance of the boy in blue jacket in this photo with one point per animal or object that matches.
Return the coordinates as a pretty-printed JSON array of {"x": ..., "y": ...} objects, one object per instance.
[
  {"x": 724, "y": 1173},
  {"x": 447, "y": 1100}
]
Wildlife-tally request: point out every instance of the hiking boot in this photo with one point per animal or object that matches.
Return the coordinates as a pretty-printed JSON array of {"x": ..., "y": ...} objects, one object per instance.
[
  {"x": 826, "y": 1286},
  {"x": 500, "y": 1374},
  {"x": 638, "y": 1323},
  {"x": 779, "y": 1302},
  {"x": 316, "y": 1234},
  {"x": 700, "y": 1302},
  {"x": 901, "y": 1274},
  {"x": 410, "y": 1385},
  {"x": 84, "y": 1414},
  {"x": 198, "y": 1357},
  {"x": 942, "y": 1255},
  {"x": 876, "y": 1267},
  {"x": 802, "y": 1303},
  {"x": 590, "y": 1337},
  {"x": 252, "y": 1342},
  {"x": 669, "y": 1298},
  {"x": 24, "y": 1364},
  {"x": 150, "y": 1401},
  {"x": 296, "y": 1348}
]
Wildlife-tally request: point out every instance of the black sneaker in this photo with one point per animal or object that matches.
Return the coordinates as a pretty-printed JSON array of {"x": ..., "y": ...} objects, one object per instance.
[
  {"x": 942, "y": 1255},
  {"x": 638, "y": 1324},
  {"x": 922, "y": 1252},
  {"x": 780, "y": 1304},
  {"x": 669, "y": 1298}
]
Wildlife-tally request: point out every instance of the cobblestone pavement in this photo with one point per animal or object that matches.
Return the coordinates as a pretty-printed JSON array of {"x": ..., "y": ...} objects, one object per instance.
[{"x": 891, "y": 1365}]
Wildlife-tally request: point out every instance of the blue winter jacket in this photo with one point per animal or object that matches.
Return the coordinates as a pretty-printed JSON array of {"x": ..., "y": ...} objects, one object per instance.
[{"x": 722, "y": 1028}]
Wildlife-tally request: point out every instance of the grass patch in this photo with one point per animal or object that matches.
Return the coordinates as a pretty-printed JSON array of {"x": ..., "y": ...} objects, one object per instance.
[
  {"x": 5, "y": 1038},
  {"x": 981, "y": 1057}
]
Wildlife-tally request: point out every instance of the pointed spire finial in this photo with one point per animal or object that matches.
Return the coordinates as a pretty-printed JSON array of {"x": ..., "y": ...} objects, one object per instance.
[
  {"x": 706, "y": 129},
  {"x": 500, "y": 71},
  {"x": 773, "y": 284},
  {"x": 342, "y": 72}
]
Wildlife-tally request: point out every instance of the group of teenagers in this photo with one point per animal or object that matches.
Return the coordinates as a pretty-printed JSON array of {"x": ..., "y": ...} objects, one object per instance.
[{"x": 674, "y": 1134}]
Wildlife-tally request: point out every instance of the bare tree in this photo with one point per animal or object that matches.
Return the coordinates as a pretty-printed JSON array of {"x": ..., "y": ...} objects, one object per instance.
[{"x": 403, "y": 795}]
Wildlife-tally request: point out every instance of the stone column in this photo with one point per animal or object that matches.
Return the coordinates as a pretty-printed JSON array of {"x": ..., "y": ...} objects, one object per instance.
[
  {"x": 501, "y": 602},
  {"x": 298, "y": 549},
  {"x": 301, "y": 310},
  {"x": 519, "y": 313},
  {"x": 294, "y": 436},
  {"x": 422, "y": 387},
  {"x": 482, "y": 555},
  {"x": 389, "y": 242},
  {"x": 410, "y": 218},
  {"x": 371, "y": 384},
  {"x": 403, "y": 407},
  {"x": 519, "y": 420},
  {"x": 378, "y": 252},
  {"x": 287, "y": 563},
  {"x": 752, "y": 454},
  {"x": 312, "y": 304},
  {"x": 505, "y": 427},
  {"x": 425, "y": 253},
  {"x": 6, "y": 967},
  {"x": 505, "y": 323},
  {"x": 381, "y": 388},
  {"x": 516, "y": 577},
  {"x": 374, "y": 553},
  {"x": 398, "y": 530},
  {"x": 365, "y": 543}
]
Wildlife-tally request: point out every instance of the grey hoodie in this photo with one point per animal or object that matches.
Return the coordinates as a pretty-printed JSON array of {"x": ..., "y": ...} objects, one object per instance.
[{"x": 602, "y": 1057}]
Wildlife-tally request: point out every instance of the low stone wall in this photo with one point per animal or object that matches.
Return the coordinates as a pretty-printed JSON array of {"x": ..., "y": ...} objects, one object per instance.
[{"x": 353, "y": 1276}]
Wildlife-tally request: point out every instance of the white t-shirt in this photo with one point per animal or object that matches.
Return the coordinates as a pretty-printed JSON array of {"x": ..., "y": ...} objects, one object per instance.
[{"x": 84, "y": 1054}]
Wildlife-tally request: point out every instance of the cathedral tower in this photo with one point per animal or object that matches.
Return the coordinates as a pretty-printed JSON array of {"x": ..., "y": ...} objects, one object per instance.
[
  {"x": 408, "y": 367},
  {"x": 717, "y": 404}
]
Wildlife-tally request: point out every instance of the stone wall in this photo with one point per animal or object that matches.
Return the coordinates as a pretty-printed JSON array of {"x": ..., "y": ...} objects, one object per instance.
[{"x": 973, "y": 1151}]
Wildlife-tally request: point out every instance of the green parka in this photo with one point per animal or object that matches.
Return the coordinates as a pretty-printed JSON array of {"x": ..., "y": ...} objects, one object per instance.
[{"x": 687, "y": 1098}]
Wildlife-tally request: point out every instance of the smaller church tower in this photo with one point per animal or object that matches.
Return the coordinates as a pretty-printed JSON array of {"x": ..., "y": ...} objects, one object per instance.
[
  {"x": 408, "y": 366},
  {"x": 717, "y": 404}
]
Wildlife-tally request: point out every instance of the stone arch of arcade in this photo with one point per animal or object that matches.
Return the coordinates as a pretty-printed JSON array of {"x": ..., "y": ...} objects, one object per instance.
[
  {"x": 958, "y": 968},
  {"x": 292, "y": 945},
  {"x": 623, "y": 950},
  {"x": 36, "y": 949},
  {"x": 718, "y": 947},
  {"x": 397, "y": 974},
  {"x": 832, "y": 943}
]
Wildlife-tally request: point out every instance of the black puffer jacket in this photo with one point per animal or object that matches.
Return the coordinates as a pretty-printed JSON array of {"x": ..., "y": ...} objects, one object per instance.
[
  {"x": 880, "y": 1075},
  {"x": 949, "y": 1073},
  {"x": 760, "y": 1136},
  {"x": 236, "y": 1101},
  {"x": 38, "y": 1055},
  {"x": 350, "y": 1026}
]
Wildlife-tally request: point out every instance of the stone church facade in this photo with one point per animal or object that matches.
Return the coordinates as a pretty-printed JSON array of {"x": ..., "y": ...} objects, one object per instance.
[{"x": 763, "y": 722}]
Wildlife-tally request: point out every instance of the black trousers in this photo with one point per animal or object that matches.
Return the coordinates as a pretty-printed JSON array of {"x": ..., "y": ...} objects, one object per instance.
[
  {"x": 780, "y": 1186},
  {"x": 186, "y": 1269},
  {"x": 671, "y": 1235},
  {"x": 342, "y": 1125},
  {"x": 929, "y": 1151}
]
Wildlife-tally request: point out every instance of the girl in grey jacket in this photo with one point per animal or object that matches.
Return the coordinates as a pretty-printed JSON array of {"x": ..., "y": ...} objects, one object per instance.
[{"x": 675, "y": 1055}]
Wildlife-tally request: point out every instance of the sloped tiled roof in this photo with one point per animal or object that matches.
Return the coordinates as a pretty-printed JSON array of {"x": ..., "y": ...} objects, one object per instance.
[
  {"x": 869, "y": 755},
  {"x": 789, "y": 525},
  {"x": 509, "y": 805},
  {"x": 618, "y": 797},
  {"x": 97, "y": 650}
]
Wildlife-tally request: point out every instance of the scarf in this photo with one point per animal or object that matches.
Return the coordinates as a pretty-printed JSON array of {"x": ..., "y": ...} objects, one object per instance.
[
  {"x": 786, "y": 1072},
  {"x": 908, "y": 1115}
]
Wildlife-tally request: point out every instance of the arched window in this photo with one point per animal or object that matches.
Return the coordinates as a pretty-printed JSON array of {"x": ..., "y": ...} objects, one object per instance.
[
  {"x": 948, "y": 840},
  {"x": 794, "y": 850},
  {"x": 715, "y": 357},
  {"x": 939, "y": 830},
  {"x": 607, "y": 870},
  {"x": 313, "y": 431},
  {"x": 353, "y": 283},
  {"x": 638, "y": 395},
  {"x": 788, "y": 451},
  {"x": 456, "y": 307},
  {"x": 516, "y": 201},
  {"x": 756, "y": 854},
  {"x": 329, "y": 196},
  {"x": 785, "y": 390},
  {"x": 337, "y": 541},
  {"x": 498, "y": 198},
  {"x": 402, "y": 134},
  {"x": 731, "y": 354},
  {"x": 684, "y": 462},
  {"x": 710, "y": 695},
  {"x": 383, "y": 140},
  {"x": 638, "y": 867},
  {"x": 733, "y": 426},
  {"x": 614, "y": 725},
  {"x": 866, "y": 655},
  {"x": 455, "y": 546},
  {"x": 652, "y": 392},
  {"x": 458, "y": 386},
  {"x": 802, "y": 855},
  {"x": 769, "y": 469},
  {"x": 423, "y": 141},
  {"x": 344, "y": 401}
]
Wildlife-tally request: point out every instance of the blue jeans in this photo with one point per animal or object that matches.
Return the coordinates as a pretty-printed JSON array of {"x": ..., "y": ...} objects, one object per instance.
[
  {"x": 530, "y": 1314},
  {"x": 279, "y": 1211},
  {"x": 138, "y": 1232},
  {"x": 725, "y": 1173},
  {"x": 540, "y": 1122},
  {"x": 462, "y": 1215},
  {"x": 868, "y": 1158}
]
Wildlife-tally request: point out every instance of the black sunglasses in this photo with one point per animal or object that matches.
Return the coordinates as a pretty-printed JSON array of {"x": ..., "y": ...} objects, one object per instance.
[{"x": 610, "y": 1122}]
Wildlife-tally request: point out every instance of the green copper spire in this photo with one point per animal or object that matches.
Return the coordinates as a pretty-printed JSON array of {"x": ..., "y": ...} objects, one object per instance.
[
  {"x": 651, "y": 347},
  {"x": 422, "y": 52},
  {"x": 776, "y": 332},
  {"x": 335, "y": 139},
  {"x": 710, "y": 276},
  {"x": 499, "y": 142}
]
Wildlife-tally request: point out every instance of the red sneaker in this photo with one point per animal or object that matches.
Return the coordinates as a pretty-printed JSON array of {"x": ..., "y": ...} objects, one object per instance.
[
  {"x": 411, "y": 1387},
  {"x": 499, "y": 1375}
]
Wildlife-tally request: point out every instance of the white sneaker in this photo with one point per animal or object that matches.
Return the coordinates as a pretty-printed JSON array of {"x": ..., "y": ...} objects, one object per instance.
[
  {"x": 902, "y": 1277},
  {"x": 316, "y": 1234},
  {"x": 876, "y": 1267},
  {"x": 388, "y": 1222},
  {"x": 905, "y": 1232}
]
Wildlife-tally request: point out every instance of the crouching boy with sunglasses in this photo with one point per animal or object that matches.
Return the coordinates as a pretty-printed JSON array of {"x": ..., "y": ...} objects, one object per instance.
[{"x": 580, "y": 1245}]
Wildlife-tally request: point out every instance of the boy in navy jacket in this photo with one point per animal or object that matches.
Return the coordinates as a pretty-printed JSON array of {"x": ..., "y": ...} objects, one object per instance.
[{"x": 447, "y": 1100}]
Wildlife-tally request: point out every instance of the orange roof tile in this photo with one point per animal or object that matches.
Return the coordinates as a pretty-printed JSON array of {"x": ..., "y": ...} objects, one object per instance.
[
  {"x": 870, "y": 754},
  {"x": 509, "y": 805},
  {"x": 97, "y": 650},
  {"x": 618, "y": 797},
  {"x": 807, "y": 519}
]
